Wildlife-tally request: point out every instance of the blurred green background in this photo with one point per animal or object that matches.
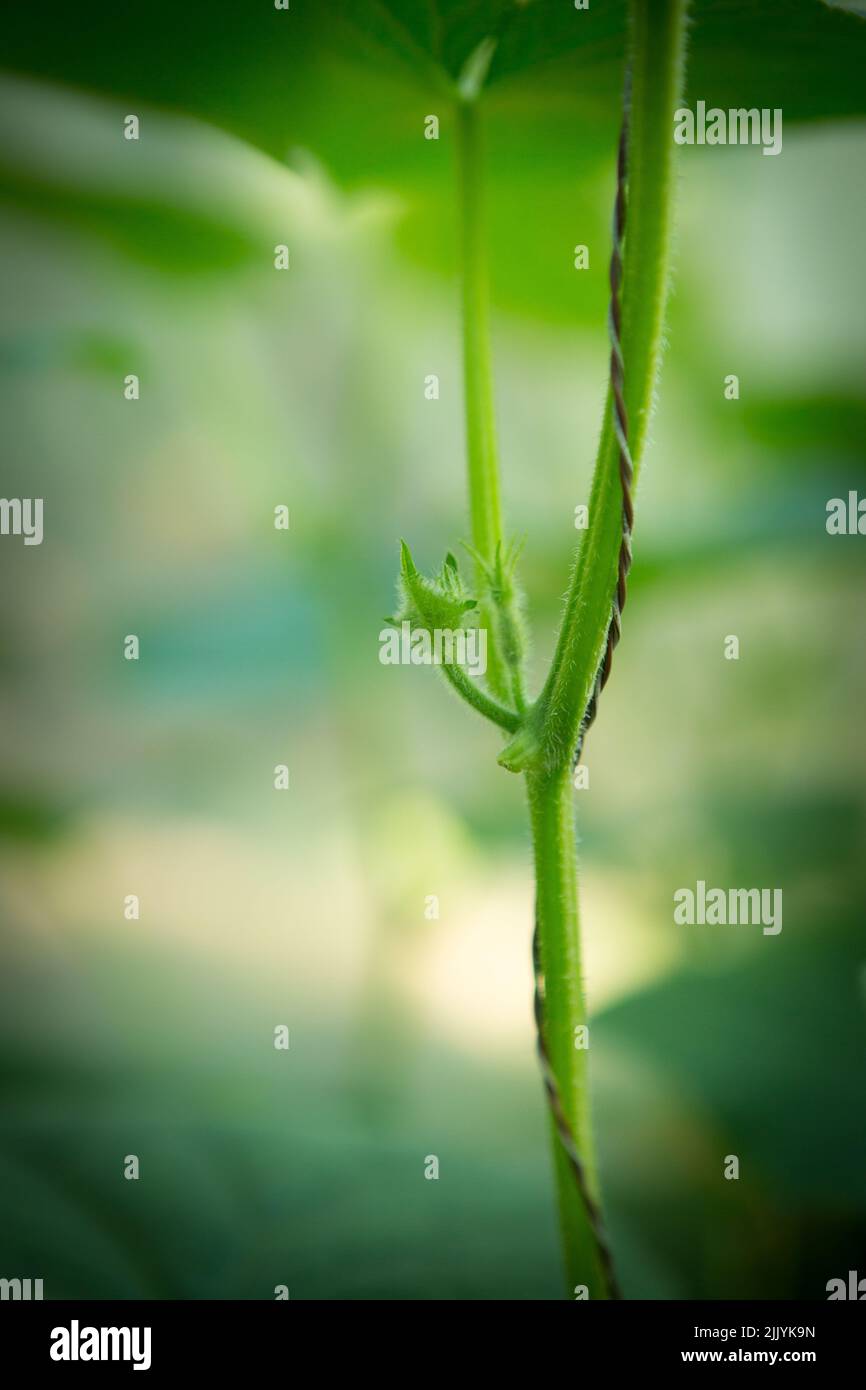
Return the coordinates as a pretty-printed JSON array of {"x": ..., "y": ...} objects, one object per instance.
[{"x": 412, "y": 1037}]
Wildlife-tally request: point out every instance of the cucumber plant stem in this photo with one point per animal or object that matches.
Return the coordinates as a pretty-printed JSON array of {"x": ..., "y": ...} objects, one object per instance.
[
  {"x": 504, "y": 676},
  {"x": 484, "y": 503},
  {"x": 545, "y": 735},
  {"x": 657, "y": 57},
  {"x": 491, "y": 709},
  {"x": 560, "y": 1014},
  {"x": 656, "y": 60}
]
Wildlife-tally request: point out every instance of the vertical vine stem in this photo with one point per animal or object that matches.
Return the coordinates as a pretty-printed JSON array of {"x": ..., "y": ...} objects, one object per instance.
[
  {"x": 504, "y": 676},
  {"x": 656, "y": 57},
  {"x": 591, "y": 624},
  {"x": 484, "y": 502},
  {"x": 549, "y": 735},
  {"x": 560, "y": 1011},
  {"x": 560, "y": 1008}
]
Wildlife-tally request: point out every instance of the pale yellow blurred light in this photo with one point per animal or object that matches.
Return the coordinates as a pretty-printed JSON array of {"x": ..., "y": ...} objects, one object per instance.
[{"x": 472, "y": 978}]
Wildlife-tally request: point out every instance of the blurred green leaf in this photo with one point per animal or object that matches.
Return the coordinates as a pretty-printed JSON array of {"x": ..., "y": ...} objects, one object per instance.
[
  {"x": 185, "y": 198},
  {"x": 24, "y": 817},
  {"x": 826, "y": 423},
  {"x": 244, "y": 67},
  {"x": 767, "y": 1046}
]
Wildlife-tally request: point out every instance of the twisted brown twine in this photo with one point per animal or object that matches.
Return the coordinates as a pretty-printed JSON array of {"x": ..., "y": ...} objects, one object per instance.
[
  {"x": 620, "y": 424},
  {"x": 564, "y": 1131},
  {"x": 626, "y": 475}
]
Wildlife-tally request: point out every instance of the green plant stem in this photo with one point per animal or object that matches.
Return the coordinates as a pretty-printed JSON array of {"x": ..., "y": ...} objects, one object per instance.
[
  {"x": 469, "y": 690},
  {"x": 504, "y": 671},
  {"x": 484, "y": 503},
  {"x": 657, "y": 56},
  {"x": 552, "y": 819},
  {"x": 544, "y": 745},
  {"x": 545, "y": 739}
]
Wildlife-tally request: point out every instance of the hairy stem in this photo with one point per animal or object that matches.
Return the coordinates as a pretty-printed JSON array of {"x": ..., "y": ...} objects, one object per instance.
[
  {"x": 552, "y": 818},
  {"x": 657, "y": 49},
  {"x": 545, "y": 745},
  {"x": 469, "y": 691},
  {"x": 484, "y": 501},
  {"x": 504, "y": 661}
]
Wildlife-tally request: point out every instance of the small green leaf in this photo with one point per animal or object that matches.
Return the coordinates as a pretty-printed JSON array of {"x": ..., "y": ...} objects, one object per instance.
[{"x": 437, "y": 603}]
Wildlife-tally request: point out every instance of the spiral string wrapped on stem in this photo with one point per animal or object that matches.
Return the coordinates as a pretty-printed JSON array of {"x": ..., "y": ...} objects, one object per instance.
[{"x": 626, "y": 474}]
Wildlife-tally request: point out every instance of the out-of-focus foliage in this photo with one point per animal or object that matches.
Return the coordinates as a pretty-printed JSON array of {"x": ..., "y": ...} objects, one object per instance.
[{"x": 249, "y": 68}]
